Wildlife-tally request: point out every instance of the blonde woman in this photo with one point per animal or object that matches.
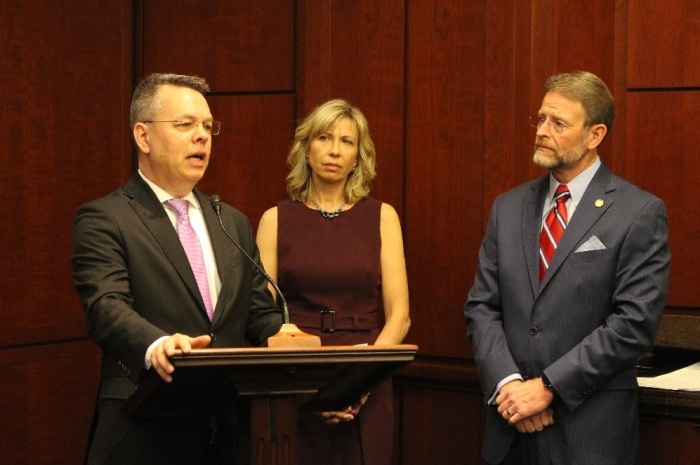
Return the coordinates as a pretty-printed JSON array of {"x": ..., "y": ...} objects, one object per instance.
[{"x": 338, "y": 257}]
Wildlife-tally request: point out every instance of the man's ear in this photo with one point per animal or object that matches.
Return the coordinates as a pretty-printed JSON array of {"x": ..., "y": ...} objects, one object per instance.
[
  {"x": 141, "y": 137},
  {"x": 597, "y": 133}
]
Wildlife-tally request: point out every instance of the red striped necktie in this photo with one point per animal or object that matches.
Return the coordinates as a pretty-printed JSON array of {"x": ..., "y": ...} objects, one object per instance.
[{"x": 553, "y": 228}]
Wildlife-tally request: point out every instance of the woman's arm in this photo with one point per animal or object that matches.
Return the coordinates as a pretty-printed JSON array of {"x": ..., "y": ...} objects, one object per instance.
[
  {"x": 394, "y": 279},
  {"x": 267, "y": 244}
]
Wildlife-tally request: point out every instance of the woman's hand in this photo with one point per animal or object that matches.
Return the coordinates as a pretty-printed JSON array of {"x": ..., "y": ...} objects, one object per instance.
[{"x": 347, "y": 414}]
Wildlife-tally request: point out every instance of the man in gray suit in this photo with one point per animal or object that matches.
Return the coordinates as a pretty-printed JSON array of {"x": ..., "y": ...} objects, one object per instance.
[
  {"x": 147, "y": 296},
  {"x": 568, "y": 293}
]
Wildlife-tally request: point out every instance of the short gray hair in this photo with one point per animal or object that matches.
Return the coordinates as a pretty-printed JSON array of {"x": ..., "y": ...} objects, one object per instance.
[
  {"x": 145, "y": 105},
  {"x": 590, "y": 90}
]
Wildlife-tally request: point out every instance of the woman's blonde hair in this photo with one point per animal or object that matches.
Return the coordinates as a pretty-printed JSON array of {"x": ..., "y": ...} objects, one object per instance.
[{"x": 323, "y": 118}]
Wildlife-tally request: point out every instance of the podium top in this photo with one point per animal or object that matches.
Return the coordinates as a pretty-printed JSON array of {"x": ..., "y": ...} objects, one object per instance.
[
  {"x": 332, "y": 376},
  {"x": 295, "y": 355}
]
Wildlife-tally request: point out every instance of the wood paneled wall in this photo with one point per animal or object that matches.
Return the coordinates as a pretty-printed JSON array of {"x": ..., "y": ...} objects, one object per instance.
[
  {"x": 245, "y": 50},
  {"x": 65, "y": 73},
  {"x": 356, "y": 51},
  {"x": 663, "y": 117},
  {"x": 446, "y": 85}
]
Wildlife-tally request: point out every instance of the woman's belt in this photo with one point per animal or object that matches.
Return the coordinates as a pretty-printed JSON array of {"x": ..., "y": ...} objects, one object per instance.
[{"x": 329, "y": 322}]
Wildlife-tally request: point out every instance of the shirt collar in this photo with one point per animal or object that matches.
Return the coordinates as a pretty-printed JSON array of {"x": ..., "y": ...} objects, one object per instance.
[
  {"x": 577, "y": 186},
  {"x": 164, "y": 196}
]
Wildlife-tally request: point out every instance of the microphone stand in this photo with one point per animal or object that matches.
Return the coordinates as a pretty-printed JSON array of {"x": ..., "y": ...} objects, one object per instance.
[{"x": 289, "y": 334}]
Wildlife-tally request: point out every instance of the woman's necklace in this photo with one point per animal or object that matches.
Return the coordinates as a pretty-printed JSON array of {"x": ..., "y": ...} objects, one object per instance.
[{"x": 329, "y": 214}]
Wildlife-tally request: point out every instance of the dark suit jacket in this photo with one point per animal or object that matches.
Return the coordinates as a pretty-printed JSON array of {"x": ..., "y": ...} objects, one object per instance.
[
  {"x": 584, "y": 327},
  {"x": 136, "y": 284}
]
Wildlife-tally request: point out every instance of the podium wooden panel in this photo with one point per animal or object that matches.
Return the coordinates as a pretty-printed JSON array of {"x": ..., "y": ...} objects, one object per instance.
[{"x": 278, "y": 381}]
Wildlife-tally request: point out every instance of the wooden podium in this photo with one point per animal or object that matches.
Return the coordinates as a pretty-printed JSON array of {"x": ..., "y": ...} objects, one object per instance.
[{"x": 277, "y": 381}]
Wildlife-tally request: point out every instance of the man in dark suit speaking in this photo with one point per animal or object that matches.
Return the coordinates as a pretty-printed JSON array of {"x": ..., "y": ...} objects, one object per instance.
[
  {"x": 572, "y": 280},
  {"x": 156, "y": 275}
]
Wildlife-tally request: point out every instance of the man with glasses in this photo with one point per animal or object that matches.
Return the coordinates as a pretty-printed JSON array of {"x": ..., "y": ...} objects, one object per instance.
[
  {"x": 572, "y": 280},
  {"x": 157, "y": 275}
]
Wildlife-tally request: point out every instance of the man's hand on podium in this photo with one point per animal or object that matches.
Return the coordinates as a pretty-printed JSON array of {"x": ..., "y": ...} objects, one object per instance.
[{"x": 175, "y": 344}]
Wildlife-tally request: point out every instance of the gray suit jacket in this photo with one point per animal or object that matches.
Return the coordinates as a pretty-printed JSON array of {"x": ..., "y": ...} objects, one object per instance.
[{"x": 584, "y": 326}]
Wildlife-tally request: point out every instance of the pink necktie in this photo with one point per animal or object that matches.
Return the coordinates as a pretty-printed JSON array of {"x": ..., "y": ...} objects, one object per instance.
[
  {"x": 193, "y": 249},
  {"x": 553, "y": 228}
]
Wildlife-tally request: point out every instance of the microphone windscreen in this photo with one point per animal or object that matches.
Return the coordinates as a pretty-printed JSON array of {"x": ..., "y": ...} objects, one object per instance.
[{"x": 216, "y": 203}]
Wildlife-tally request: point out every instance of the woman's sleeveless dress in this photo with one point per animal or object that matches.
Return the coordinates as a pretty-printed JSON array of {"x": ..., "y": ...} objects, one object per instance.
[{"x": 329, "y": 272}]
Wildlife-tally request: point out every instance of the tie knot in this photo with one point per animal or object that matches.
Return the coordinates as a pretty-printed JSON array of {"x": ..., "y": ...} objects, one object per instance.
[
  {"x": 562, "y": 193},
  {"x": 179, "y": 206}
]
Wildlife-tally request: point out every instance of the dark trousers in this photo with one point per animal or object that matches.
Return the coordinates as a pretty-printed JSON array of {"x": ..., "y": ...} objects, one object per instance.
[
  {"x": 524, "y": 452},
  {"x": 122, "y": 440}
]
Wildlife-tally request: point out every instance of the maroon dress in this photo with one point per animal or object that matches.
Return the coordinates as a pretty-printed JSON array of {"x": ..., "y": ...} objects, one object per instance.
[{"x": 329, "y": 271}]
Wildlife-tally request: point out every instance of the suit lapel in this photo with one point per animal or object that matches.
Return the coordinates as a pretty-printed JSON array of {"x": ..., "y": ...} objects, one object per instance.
[
  {"x": 146, "y": 205},
  {"x": 587, "y": 213},
  {"x": 532, "y": 224},
  {"x": 221, "y": 245}
]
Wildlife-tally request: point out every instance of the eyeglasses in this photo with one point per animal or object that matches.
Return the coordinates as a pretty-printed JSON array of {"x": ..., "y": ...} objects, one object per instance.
[
  {"x": 212, "y": 127},
  {"x": 556, "y": 125}
]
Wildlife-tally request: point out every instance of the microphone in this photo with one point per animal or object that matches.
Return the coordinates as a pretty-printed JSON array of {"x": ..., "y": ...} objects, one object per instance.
[
  {"x": 216, "y": 205},
  {"x": 288, "y": 331}
]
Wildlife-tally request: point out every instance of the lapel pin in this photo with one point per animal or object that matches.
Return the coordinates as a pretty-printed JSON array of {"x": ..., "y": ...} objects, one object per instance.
[{"x": 599, "y": 203}]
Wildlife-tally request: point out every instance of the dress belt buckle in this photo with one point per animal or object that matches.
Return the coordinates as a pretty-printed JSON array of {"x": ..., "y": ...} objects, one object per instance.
[{"x": 325, "y": 316}]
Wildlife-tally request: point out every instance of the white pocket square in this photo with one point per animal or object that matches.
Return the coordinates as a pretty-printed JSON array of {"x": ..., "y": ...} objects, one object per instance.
[{"x": 591, "y": 244}]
